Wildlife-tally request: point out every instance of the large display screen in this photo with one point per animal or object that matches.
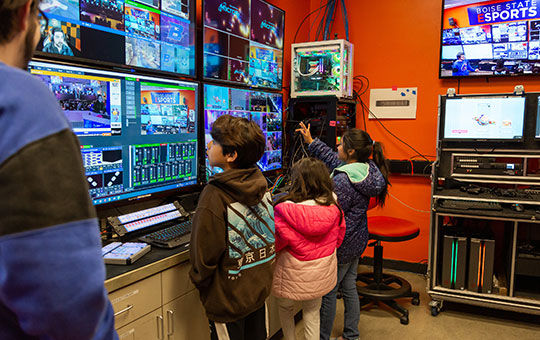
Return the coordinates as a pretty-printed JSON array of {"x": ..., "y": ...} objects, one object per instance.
[
  {"x": 484, "y": 118},
  {"x": 142, "y": 34},
  {"x": 265, "y": 108},
  {"x": 138, "y": 134},
  {"x": 490, "y": 38},
  {"x": 243, "y": 42}
]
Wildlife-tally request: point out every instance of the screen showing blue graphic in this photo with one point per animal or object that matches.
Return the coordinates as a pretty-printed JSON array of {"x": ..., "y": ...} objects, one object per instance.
[
  {"x": 138, "y": 135},
  {"x": 264, "y": 108},
  {"x": 146, "y": 34},
  {"x": 243, "y": 42},
  {"x": 484, "y": 118}
]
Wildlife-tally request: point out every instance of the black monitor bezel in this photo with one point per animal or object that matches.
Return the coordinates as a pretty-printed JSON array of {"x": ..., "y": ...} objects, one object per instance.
[
  {"x": 127, "y": 68},
  {"x": 158, "y": 194},
  {"x": 234, "y": 83},
  {"x": 202, "y": 160},
  {"x": 442, "y": 119}
]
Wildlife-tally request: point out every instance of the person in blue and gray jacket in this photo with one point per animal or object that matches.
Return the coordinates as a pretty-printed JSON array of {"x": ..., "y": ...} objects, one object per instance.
[
  {"x": 51, "y": 269},
  {"x": 357, "y": 177}
]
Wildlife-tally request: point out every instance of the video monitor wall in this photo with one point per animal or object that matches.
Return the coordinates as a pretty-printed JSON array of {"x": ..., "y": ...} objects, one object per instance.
[
  {"x": 243, "y": 42},
  {"x": 484, "y": 118},
  {"x": 264, "y": 108},
  {"x": 497, "y": 38},
  {"x": 143, "y": 34},
  {"x": 138, "y": 134}
]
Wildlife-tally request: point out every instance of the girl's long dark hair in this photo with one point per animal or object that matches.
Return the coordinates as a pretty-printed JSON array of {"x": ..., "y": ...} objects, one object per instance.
[
  {"x": 363, "y": 146},
  {"x": 310, "y": 179}
]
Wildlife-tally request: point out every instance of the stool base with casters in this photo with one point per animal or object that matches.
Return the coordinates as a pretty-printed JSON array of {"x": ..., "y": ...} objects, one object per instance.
[{"x": 385, "y": 288}]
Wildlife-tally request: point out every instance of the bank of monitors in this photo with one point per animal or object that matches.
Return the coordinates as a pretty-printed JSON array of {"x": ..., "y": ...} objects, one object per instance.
[
  {"x": 265, "y": 108},
  {"x": 138, "y": 134},
  {"x": 141, "y": 34},
  {"x": 243, "y": 42},
  {"x": 484, "y": 118}
]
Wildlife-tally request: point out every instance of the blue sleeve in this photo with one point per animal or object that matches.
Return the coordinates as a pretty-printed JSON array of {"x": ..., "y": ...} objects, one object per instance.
[
  {"x": 470, "y": 68},
  {"x": 60, "y": 294},
  {"x": 319, "y": 150}
]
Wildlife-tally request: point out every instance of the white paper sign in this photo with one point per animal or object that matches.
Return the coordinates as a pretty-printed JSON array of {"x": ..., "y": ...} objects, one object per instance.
[{"x": 393, "y": 103}]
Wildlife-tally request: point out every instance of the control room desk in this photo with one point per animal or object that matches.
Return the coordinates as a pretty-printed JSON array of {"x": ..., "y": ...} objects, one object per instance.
[{"x": 155, "y": 299}]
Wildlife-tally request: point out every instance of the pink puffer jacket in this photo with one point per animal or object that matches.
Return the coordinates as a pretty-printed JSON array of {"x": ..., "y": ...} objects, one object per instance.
[{"x": 307, "y": 235}]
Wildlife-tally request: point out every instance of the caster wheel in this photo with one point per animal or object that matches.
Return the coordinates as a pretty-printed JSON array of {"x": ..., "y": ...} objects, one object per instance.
[
  {"x": 434, "y": 311},
  {"x": 415, "y": 301},
  {"x": 404, "y": 320}
]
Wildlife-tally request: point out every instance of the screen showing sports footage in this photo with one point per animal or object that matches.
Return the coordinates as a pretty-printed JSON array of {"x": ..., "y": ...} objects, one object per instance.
[
  {"x": 243, "y": 42},
  {"x": 138, "y": 134},
  {"x": 490, "y": 38},
  {"x": 264, "y": 108},
  {"x": 143, "y": 34}
]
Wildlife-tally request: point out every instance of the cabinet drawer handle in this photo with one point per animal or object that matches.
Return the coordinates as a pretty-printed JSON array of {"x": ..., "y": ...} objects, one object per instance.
[
  {"x": 170, "y": 323},
  {"x": 159, "y": 319},
  {"x": 123, "y": 310}
]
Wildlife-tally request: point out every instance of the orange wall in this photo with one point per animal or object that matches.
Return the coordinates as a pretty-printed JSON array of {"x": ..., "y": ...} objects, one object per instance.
[{"x": 396, "y": 43}]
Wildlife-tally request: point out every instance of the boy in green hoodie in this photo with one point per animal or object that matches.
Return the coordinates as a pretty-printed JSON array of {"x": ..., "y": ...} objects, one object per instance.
[{"x": 232, "y": 240}]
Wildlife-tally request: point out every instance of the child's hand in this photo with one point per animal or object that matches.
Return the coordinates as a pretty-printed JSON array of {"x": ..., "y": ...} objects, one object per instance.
[{"x": 305, "y": 132}]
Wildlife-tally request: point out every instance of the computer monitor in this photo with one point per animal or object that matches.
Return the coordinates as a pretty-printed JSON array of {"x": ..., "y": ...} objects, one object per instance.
[
  {"x": 243, "y": 42},
  {"x": 142, "y": 34},
  {"x": 138, "y": 134},
  {"x": 475, "y": 34},
  {"x": 265, "y": 108},
  {"x": 509, "y": 32},
  {"x": 514, "y": 50},
  {"x": 484, "y": 118},
  {"x": 450, "y": 52},
  {"x": 537, "y": 131},
  {"x": 480, "y": 51}
]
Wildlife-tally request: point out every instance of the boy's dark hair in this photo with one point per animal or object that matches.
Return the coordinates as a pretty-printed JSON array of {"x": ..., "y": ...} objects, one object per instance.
[
  {"x": 9, "y": 20},
  {"x": 240, "y": 135},
  {"x": 310, "y": 179},
  {"x": 364, "y": 147},
  {"x": 57, "y": 29},
  {"x": 459, "y": 54}
]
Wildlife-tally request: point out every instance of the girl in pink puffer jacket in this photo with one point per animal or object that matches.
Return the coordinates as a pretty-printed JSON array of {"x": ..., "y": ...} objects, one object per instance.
[{"x": 309, "y": 227}]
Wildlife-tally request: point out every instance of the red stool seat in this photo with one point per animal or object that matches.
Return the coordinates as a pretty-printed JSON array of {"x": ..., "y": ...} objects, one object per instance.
[{"x": 391, "y": 229}]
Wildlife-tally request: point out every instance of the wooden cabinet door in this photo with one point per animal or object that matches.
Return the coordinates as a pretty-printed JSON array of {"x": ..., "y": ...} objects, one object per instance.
[
  {"x": 185, "y": 318},
  {"x": 148, "y": 327}
]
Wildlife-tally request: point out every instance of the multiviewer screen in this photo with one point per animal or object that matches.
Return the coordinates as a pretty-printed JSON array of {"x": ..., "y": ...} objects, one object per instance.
[
  {"x": 151, "y": 34},
  {"x": 138, "y": 134},
  {"x": 264, "y": 108}
]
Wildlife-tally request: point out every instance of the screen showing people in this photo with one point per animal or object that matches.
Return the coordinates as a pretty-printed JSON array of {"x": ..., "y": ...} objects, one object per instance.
[
  {"x": 484, "y": 118},
  {"x": 150, "y": 34},
  {"x": 264, "y": 108},
  {"x": 243, "y": 42},
  {"x": 481, "y": 38},
  {"x": 138, "y": 134}
]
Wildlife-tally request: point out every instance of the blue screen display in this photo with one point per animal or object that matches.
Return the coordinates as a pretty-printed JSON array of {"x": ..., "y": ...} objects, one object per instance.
[
  {"x": 138, "y": 135},
  {"x": 143, "y": 34}
]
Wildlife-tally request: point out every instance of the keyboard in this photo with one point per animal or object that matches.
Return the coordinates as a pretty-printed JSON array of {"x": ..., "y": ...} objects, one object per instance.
[
  {"x": 170, "y": 237},
  {"x": 469, "y": 205}
]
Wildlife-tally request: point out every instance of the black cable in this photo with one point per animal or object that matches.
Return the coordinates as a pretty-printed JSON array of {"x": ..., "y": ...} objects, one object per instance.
[
  {"x": 305, "y": 18},
  {"x": 392, "y": 134},
  {"x": 458, "y": 85}
]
